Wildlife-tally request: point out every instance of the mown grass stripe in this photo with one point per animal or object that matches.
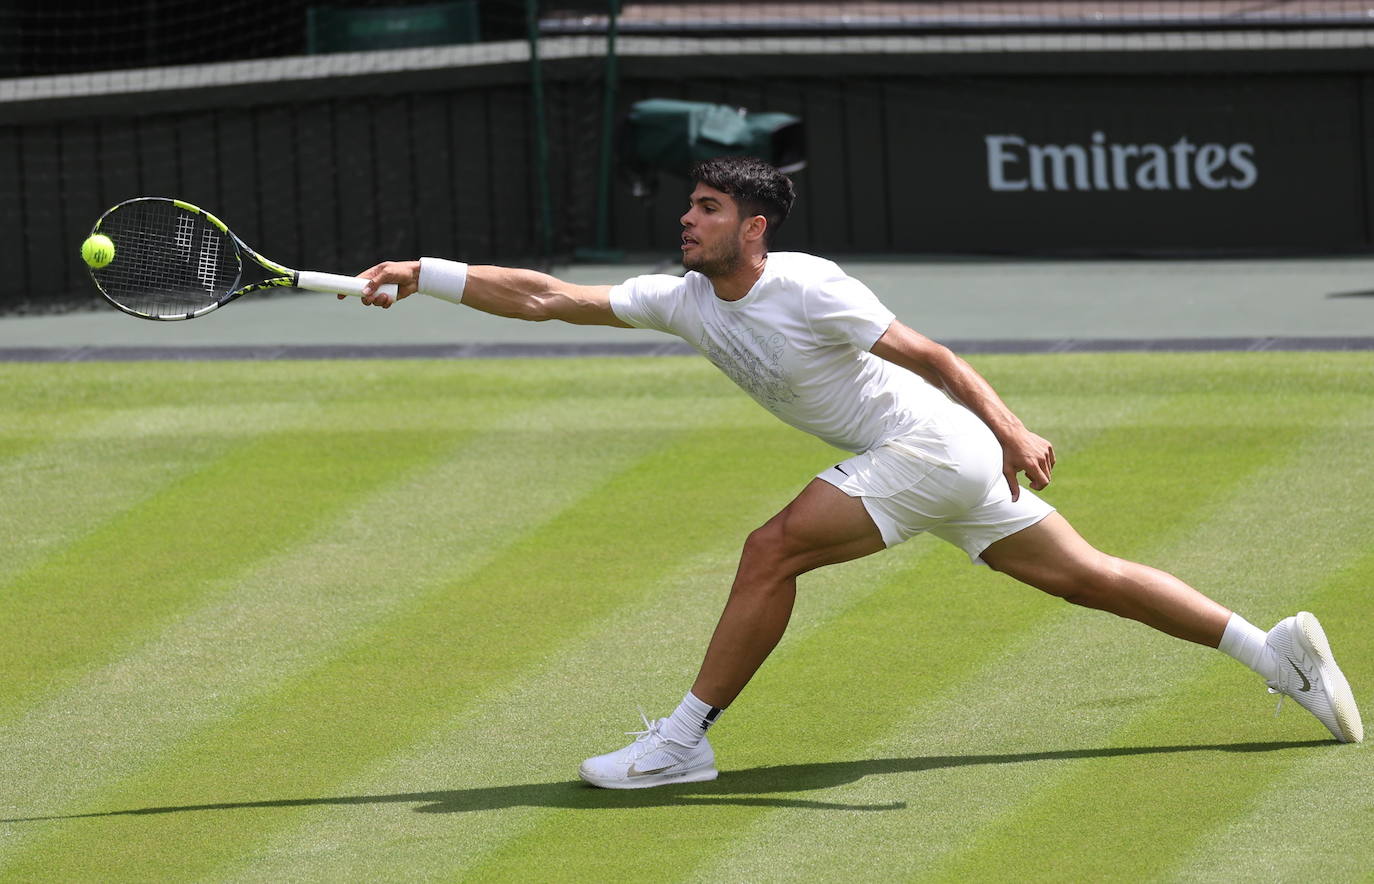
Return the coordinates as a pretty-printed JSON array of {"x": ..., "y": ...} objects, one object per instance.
[
  {"x": 155, "y": 560},
  {"x": 71, "y": 483},
  {"x": 412, "y": 669},
  {"x": 1051, "y": 693},
  {"x": 24, "y": 431}
]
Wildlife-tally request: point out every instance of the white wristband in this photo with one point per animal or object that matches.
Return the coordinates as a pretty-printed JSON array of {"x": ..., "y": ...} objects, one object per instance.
[{"x": 443, "y": 279}]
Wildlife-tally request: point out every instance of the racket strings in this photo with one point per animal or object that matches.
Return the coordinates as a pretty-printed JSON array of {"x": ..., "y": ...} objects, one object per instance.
[{"x": 169, "y": 261}]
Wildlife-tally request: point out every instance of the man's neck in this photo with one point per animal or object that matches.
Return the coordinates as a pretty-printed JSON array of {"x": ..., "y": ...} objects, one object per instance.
[{"x": 738, "y": 282}]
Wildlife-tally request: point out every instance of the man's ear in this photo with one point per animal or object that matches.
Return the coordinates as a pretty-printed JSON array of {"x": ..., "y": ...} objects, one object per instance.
[{"x": 755, "y": 228}]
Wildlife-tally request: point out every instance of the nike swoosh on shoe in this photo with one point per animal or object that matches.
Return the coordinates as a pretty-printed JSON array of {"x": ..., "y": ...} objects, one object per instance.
[
  {"x": 1306, "y": 685},
  {"x": 634, "y": 772}
]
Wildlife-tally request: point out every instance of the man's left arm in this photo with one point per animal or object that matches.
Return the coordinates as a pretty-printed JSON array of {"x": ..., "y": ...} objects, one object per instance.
[{"x": 1022, "y": 450}]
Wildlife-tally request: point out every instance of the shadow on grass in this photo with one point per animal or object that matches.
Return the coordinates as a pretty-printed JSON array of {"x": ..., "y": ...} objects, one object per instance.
[{"x": 747, "y": 787}]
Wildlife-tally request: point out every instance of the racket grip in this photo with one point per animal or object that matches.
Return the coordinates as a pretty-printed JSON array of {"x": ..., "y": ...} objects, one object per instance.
[{"x": 313, "y": 281}]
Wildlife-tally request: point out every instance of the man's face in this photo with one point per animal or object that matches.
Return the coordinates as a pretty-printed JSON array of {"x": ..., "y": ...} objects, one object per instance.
[{"x": 711, "y": 232}]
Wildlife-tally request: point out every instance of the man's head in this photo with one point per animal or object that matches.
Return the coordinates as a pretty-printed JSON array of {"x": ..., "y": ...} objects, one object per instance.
[
  {"x": 757, "y": 188},
  {"x": 737, "y": 204}
]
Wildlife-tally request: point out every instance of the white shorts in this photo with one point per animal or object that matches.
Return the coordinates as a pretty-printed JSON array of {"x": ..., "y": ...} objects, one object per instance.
[{"x": 951, "y": 486}]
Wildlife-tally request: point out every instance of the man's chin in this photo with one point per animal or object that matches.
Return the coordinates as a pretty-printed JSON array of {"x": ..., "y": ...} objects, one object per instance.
[{"x": 706, "y": 266}]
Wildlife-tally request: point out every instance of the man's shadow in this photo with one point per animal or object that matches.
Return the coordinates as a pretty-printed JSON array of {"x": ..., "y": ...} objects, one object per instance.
[{"x": 748, "y": 787}]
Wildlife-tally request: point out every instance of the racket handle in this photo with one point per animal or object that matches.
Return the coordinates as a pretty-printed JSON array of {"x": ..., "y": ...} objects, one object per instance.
[{"x": 313, "y": 281}]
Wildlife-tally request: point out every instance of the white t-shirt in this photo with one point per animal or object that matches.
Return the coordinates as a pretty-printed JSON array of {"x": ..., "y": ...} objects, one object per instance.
[{"x": 798, "y": 343}]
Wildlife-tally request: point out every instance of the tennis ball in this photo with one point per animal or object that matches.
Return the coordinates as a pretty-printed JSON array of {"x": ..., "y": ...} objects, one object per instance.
[{"x": 97, "y": 251}]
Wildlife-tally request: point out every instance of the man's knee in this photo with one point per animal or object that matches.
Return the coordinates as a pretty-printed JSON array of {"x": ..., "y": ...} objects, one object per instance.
[
  {"x": 769, "y": 554},
  {"x": 766, "y": 546},
  {"x": 821, "y": 527}
]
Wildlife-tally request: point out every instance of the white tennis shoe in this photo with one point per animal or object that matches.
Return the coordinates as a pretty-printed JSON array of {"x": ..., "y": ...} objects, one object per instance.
[
  {"x": 651, "y": 760},
  {"x": 1309, "y": 674}
]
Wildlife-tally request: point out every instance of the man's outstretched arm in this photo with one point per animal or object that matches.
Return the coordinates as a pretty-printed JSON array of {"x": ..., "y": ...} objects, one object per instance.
[
  {"x": 502, "y": 291},
  {"x": 1022, "y": 450}
]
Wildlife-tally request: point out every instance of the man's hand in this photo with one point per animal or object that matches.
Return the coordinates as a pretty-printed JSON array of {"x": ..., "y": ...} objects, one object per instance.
[
  {"x": 405, "y": 274},
  {"x": 1030, "y": 454}
]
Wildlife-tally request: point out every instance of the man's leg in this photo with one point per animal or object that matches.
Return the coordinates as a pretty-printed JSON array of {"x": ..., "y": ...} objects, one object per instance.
[
  {"x": 1051, "y": 556},
  {"x": 1294, "y": 657},
  {"x": 823, "y": 526}
]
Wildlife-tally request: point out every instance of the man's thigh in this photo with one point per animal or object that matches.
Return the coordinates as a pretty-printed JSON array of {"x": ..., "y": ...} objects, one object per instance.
[
  {"x": 1044, "y": 555},
  {"x": 823, "y": 526}
]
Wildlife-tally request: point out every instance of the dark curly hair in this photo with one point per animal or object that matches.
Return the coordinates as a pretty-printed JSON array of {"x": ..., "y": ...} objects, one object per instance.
[{"x": 757, "y": 188}]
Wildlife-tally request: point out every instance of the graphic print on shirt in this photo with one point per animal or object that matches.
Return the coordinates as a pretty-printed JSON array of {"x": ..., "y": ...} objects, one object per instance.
[{"x": 750, "y": 360}]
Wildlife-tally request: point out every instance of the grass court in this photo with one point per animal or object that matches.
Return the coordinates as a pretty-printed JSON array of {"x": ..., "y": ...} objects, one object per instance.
[{"x": 324, "y": 621}]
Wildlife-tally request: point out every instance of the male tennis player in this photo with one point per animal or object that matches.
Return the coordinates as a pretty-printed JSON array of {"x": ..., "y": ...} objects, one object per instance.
[{"x": 935, "y": 449}]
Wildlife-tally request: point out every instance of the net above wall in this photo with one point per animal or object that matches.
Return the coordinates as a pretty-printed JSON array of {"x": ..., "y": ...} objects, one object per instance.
[{"x": 39, "y": 38}]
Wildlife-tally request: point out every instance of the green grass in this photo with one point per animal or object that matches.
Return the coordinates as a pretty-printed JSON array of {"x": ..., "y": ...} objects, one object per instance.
[{"x": 360, "y": 621}]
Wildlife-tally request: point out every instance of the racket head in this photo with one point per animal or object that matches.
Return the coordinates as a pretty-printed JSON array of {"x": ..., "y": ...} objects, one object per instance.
[{"x": 172, "y": 260}]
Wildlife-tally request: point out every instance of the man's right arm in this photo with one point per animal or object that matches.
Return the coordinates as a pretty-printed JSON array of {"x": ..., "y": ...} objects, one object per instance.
[{"x": 502, "y": 291}]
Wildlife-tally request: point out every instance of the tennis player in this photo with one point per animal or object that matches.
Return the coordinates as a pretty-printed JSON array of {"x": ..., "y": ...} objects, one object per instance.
[{"x": 935, "y": 449}]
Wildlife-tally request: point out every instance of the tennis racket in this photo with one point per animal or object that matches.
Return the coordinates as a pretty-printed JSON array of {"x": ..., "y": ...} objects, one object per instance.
[{"x": 173, "y": 260}]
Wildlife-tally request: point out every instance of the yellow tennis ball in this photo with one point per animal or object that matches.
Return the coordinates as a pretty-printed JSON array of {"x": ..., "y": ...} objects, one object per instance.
[{"x": 97, "y": 251}]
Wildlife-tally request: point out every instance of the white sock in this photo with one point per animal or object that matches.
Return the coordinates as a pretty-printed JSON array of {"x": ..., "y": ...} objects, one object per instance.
[
  {"x": 1245, "y": 642},
  {"x": 690, "y": 721}
]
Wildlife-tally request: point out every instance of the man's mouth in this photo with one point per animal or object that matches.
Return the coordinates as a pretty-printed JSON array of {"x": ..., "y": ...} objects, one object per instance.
[{"x": 688, "y": 241}]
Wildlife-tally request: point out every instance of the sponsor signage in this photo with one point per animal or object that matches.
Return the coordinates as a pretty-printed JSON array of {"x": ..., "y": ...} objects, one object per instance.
[
  {"x": 1015, "y": 164},
  {"x": 1138, "y": 164}
]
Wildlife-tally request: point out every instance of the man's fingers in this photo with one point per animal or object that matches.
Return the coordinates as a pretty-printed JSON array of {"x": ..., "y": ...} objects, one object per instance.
[
  {"x": 401, "y": 274},
  {"x": 1034, "y": 457},
  {"x": 1037, "y": 476}
]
